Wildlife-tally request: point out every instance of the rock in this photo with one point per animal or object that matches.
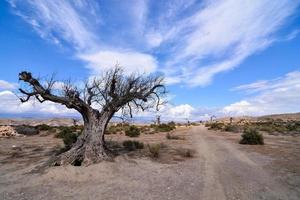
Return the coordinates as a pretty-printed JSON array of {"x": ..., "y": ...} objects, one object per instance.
[
  {"x": 8, "y": 131},
  {"x": 14, "y": 147}
]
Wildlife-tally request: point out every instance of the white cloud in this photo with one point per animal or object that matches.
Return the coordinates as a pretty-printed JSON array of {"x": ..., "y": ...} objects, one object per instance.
[
  {"x": 131, "y": 61},
  {"x": 4, "y": 85},
  {"x": 154, "y": 39},
  {"x": 227, "y": 32},
  {"x": 259, "y": 85},
  {"x": 281, "y": 95},
  {"x": 198, "y": 39},
  {"x": 184, "y": 111},
  {"x": 9, "y": 103},
  {"x": 292, "y": 35},
  {"x": 56, "y": 20},
  {"x": 139, "y": 10}
]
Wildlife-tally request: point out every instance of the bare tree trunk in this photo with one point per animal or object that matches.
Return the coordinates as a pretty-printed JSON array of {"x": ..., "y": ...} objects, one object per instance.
[{"x": 90, "y": 145}]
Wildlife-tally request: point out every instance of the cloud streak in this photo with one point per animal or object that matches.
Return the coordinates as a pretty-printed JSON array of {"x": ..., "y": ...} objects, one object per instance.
[
  {"x": 190, "y": 41},
  {"x": 280, "y": 95},
  {"x": 4, "y": 85},
  {"x": 226, "y": 33}
]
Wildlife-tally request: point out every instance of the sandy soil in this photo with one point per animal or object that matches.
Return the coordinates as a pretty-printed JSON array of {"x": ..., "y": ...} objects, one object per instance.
[{"x": 221, "y": 169}]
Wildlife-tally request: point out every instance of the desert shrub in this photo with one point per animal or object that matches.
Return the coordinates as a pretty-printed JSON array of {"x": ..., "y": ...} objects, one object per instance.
[
  {"x": 207, "y": 125},
  {"x": 69, "y": 137},
  {"x": 293, "y": 125},
  {"x": 173, "y": 137},
  {"x": 216, "y": 126},
  {"x": 152, "y": 125},
  {"x": 267, "y": 128},
  {"x": 252, "y": 136},
  {"x": 172, "y": 124},
  {"x": 145, "y": 129},
  {"x": 152, "y": 131},
  {"x": 43, "y": 127},
  {"x": 164, "y": 127},
  {"x": 132, "y": 131},
  {"x": 27, "y": 130},
  {"x": 232, "y": 128},
  {"x": 154, "y": 150},
  {"x": 118, "y": 128},
  {"x": 113, "y": 129},
  {"x": 70, "y": 128},
  {"x": 188, "y": 153},
  {"x": 194, "y": 124},
  {"x": 132, "y": 145}
]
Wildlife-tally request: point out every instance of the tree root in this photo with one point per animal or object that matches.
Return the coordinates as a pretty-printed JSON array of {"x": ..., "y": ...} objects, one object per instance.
[{"x": 83, "y": 156}]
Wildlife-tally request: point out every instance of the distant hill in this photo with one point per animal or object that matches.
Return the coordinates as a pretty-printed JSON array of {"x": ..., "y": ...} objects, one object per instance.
[
  {"x": 34, "y": 122},
  {"x": 285, "y": 117},
  {"x": 70, "y": 121}
]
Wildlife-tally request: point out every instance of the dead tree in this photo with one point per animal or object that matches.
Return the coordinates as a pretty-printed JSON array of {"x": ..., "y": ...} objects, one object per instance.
[
  {"x": 157, "y": 119},
  {"x": 97, "y": 103}
]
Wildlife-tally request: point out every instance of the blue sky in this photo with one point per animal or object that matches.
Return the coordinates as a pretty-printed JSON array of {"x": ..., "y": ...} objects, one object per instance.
[{"x": 219, "y": 57}]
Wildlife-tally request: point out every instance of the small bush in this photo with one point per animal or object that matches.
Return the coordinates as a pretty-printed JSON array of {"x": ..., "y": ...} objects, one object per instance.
[
  {"x": 165, "y": 127},
  {"x": 132, "y": 131},
  {"x": 232, "y": 128},
  {"x": 145, "y": 129},
  {"x": 252, "y": 136},
  {"x": 132, "y": 145},
  {"x": 216, "y": 126},
  {"x": 43, "y": 127},
  {"x": 172, "y": 124},
  {"x": 267, "y": 128},
  {"x": 26, "y": 130},
  {"x": 112, "y": 130},
  {"x": 69, "y": 137},
  {"x": 187, "y": 153},
  {"x": 173, "y": 137},
  {"x": 70, "y": 128},
  {"x": 154, "y": 150},
  {"x": 207, "y": 125}
]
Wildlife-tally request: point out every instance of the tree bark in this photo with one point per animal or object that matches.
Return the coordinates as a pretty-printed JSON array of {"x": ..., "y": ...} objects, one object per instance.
[{"x": 90, "y": 145}]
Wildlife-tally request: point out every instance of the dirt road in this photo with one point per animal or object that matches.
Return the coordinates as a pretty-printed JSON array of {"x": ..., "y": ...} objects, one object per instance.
[
  {"x": 221, "y": 169},
  {"x": 230, "y": 173}
]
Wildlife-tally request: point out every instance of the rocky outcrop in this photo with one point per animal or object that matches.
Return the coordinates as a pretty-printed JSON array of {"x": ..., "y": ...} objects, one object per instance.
[{"x": 8, "y": 131}]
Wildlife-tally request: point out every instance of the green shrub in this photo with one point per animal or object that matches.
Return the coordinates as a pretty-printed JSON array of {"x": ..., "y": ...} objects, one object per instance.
[
  {"x": 43, "y": 127},
  {"x": 145, "y": 129},
  {"x": 252, "y": 136},
  {"x": 188, "y": 153},
  {"x": 154, "y": 150},
  {"x": 69, "y": 137},
  {"x": 27, "y": 130},
  {"x": 152, "y": 125},
  {"x": 132, "y": 131},
  {"x": 216, "y": 126},
  {"x": 194, "y": 124},
  {"x": 172, "y": 124},
  {"x": 132, "y": 145},
  {"x": 164, "y": 127},
  {"x": 113, "y": 130},
  {"x": 267, "y": 128},
  {"x": 173, "y": 137},
  {"x": 232, "y": 128}
]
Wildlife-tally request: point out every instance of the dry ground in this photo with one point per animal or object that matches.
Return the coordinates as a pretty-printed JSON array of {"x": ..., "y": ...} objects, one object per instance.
[{"x": 221, "y": 169}]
